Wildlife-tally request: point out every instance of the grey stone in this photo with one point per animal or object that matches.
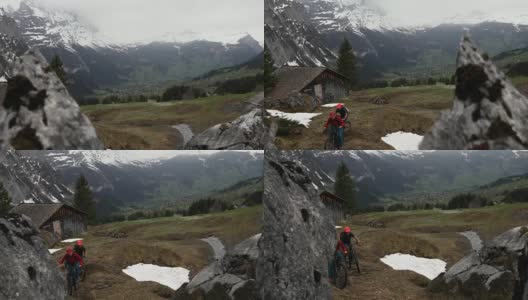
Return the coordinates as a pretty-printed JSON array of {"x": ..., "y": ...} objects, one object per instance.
[
  {"x": 298, "y": 234},
  {"x": 27, "y": 270},
  {"x": 231, "y": 277},
  {"x": 499, "y": 270},
  {"x": 39, "y": 113},
  {"x": 249, "y": 132},
  {"x": 488, "y": 111}
]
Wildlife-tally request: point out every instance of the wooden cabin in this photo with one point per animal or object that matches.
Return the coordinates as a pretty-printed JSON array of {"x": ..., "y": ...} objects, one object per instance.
[
  {"x": 335, "y": 205},
  {"x": 56, "y": 221},
  {"x": 321, "y": 83}
]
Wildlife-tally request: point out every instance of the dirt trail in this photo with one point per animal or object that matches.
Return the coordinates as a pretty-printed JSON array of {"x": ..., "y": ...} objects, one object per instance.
[{"x": 379, "y": 281}]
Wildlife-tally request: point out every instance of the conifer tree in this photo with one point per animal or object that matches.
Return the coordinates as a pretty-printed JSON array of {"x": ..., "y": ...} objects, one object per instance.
[
  {"x": 345, "y": 188},
  {"x": 83, "y": 199},
  {"x": 347, "y": 64}
]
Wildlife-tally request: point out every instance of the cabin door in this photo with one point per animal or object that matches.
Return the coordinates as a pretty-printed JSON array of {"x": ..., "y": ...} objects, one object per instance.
[
  {"x": 57, "y": 228},
  {"x": 318, "y": 89}
]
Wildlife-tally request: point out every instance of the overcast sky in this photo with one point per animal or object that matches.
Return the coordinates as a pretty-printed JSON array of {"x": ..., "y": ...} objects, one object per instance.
[
  {"x": 128, "y": 21},
  {"x": 420, "y": 12}
]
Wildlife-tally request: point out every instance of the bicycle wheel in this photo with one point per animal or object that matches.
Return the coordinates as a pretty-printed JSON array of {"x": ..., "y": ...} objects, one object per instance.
[
  {"x": 329, "y": 144},
  {"x": 341, "y": 276},
  {"x": 355, "y": 258},
  {"x": 70, "y": 283},
  {"x": 83, "y": 273}
]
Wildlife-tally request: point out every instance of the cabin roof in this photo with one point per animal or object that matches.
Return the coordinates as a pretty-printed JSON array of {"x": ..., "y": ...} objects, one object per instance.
[
  {"x": 41, "y": 213},
  {"x": 327, "y": 194},
  {"x": 296, "y": 79}
]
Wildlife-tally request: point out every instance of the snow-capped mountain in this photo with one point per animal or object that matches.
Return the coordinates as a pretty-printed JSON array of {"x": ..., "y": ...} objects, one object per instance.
[
  {"x": 31, "y": 181},
  {"x": 381, "y": 173},
  {"x": 309, "y": 32},
  {"x": 123, "y": 178},
  {"x": 41, "y": 26},
  {"x": 94, "y": 60}
]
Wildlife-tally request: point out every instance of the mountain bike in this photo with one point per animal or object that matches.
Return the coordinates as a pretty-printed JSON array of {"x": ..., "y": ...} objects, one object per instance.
[
  {"x": 331, "y": 142},
  {"x": 352, "y": 258},
  {"x": 341, "y": 271},
  {"x": 70, "y": 278}
]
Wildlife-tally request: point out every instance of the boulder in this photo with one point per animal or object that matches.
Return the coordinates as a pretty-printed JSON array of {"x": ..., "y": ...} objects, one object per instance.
[
  {"x": 488, "y": 111},
  {"x": 497, "y": 271},
  {"x": 294, "y": 101},
  {"x": 251, "y": 131},
  {"x": 379, "y": 100},
  {"x": 231, "y": 278},
  {"x": 39, "y": 113},
  {"x": 27, "y": 270},
  {"x": 298, "y": 234}
]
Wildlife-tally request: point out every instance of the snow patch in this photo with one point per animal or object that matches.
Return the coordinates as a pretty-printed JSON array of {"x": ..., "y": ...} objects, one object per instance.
[
  {"x": 403, "y": 140},
  {"x": 51, "y": 251},
  {"x": 171, "y": 277},
  {"x": 71, "y": 240},
  {"x": 427, "y": 267},
  {"x": 3, "y": 79},
  {"x": 330, "y": 105},
  {"x": 302, "y": 118}
]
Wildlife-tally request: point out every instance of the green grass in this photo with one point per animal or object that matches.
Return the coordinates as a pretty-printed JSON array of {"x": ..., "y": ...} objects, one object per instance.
[
  {"x": 147, "y": 125},
  {"x": 231, "y": 226},
  {"x": 488, "y": 221}
]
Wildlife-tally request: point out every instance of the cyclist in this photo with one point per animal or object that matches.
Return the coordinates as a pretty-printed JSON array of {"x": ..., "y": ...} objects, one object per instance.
[
  {"x": 72, "y": 261},
  {"x": 342, "y": 111},
  {"x": 346, "y": 237},
  {"x": 337, "y": 124},
  {"x": 339, "y": 255},
  {"x": 79, "y": 249}
]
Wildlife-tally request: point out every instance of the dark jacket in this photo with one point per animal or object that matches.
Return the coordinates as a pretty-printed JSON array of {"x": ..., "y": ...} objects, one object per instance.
[
  {"x": 346, "y": 238},
  {"x": 80, "y": 250}
]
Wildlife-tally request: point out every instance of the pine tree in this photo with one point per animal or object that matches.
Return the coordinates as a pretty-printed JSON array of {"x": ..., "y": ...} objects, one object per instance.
[
  {"x": 83, "y": 199},
  {"x": 5, "y": 201},
  {"x": 57, "y": 66},
  {"x": 345, "y": 188},
  {"x": 269, "y": 79},
  {"x": 347, "y": 64}
]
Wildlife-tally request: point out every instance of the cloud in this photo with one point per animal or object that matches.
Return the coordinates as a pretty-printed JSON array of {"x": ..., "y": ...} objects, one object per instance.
[
  {"x": 433, "y": 12},
  {"x": 126, "y": 21}
]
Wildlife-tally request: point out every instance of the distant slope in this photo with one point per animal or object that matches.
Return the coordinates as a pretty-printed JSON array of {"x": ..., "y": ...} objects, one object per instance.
[{"x": 514, "y": 62}]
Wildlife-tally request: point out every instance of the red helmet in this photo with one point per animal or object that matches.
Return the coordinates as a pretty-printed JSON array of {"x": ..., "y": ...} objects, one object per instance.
[
  {"x": 340, "y": 105},
  {"x": 69, "y": 250},
  {"x": 347, "y": 229},
  {"x": 332, "y": 114},
  {"x": 80, "y": 242}
]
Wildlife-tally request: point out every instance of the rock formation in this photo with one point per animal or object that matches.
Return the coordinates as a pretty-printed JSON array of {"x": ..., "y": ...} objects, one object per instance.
[
  {"x": 488, "y": 111},
  {"x": 231, "y": 278},
  {"x": 27, "y": 270},
  {"x": 251, "y": 131},
  {"x": 39, "y": 113},
  {"x": 298, "y": 234},
  {"x": 499, "y": 270}
]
